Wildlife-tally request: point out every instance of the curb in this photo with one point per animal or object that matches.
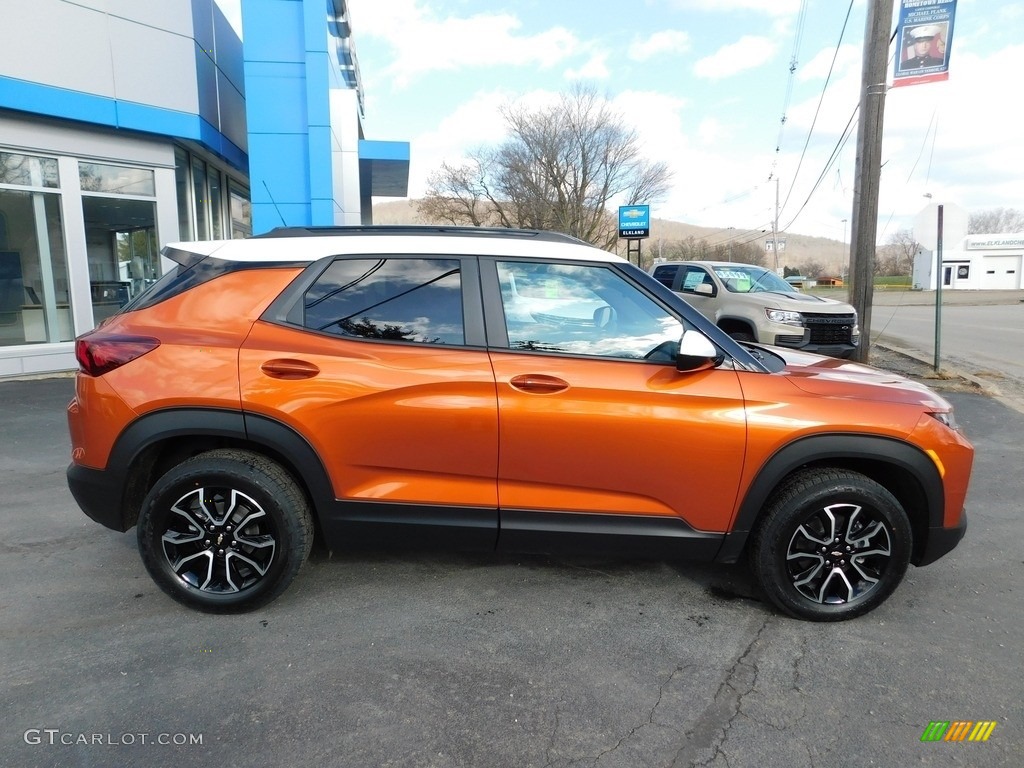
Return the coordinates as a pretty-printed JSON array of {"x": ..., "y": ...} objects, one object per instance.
[{"x": 945, "y": 372}]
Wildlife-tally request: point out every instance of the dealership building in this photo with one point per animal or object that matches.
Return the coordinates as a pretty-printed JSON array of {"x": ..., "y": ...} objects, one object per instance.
[
  {"x": 126, "y": 125},
  {"x": 981, "y": 262}
]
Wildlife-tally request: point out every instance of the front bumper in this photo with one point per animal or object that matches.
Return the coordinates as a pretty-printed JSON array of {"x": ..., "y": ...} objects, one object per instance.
[{"x": 941, "y": 541}]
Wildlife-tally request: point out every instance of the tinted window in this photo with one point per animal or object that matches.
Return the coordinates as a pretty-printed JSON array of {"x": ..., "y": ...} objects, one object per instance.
[
  {"x": 665, "y": 274},
  {"x": 583, "y": 310},
  {"x": 414, "y": 300}
]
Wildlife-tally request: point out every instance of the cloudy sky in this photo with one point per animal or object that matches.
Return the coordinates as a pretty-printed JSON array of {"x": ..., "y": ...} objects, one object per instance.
[{"x": 707, "y": 84}]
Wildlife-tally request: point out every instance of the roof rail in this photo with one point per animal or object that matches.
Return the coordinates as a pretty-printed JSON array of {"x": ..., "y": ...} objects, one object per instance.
[{"x": 394, "y": 229}]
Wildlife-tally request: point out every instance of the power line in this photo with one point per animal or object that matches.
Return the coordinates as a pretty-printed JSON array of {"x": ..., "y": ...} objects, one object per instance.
[
  {"x": 797, "y": 39},
  {"x": 817, "y": 111}
]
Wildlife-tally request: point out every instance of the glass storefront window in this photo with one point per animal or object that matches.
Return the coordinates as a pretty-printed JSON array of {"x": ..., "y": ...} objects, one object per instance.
[
  {"x": 122, "y": 250},
  {"x": 211, "y": 206},
  {"x": 181, "y": 187},
  {"x": 116, "y": 179},
  {"x": 28, "y": 170},
  {"x": 200, "y": 198},
  {"x": 241, "y": 211},
  {"x": 34, "y": 300},
  {"x": 216, "y": 203}
]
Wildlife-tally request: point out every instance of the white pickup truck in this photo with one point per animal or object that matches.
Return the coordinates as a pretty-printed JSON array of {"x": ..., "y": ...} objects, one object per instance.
[{"x": 752, "y": 303}]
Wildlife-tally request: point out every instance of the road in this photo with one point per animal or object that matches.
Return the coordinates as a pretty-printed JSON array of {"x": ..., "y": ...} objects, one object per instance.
[
  {"x": 399, "y": 659},
  {"x": 980, "y": 339}
]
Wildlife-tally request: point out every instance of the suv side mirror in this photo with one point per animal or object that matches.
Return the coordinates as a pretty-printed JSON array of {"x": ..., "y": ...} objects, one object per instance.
[
  {"x": 705, "y": 289},
  {"x": 696, "y": 352}
]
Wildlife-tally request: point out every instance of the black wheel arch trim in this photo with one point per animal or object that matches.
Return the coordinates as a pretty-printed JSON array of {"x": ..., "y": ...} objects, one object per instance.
[
  {"x": 287, "y": 446},
  {"x": 851, "y": 449}
]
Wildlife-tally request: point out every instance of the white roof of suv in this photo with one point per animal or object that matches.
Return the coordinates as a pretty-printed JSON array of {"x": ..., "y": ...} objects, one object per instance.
[{"x": 312, "y": 243}]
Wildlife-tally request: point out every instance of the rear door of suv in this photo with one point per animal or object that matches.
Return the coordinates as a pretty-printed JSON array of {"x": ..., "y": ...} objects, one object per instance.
[{"x": 379, "y": 363}]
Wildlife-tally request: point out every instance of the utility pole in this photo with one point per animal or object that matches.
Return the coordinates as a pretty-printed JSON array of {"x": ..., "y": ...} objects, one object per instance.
[
  {"x": 775, "y": 227},
  {"x": 864, "y": 229}
]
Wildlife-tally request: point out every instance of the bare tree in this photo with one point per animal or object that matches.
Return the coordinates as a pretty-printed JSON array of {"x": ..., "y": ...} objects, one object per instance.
[
  {"x": 896, "y": 257},
  {"x": 995, "y": 221},
  {"x": 560, "y": 169},
  {"x": 812, "y": 268}
]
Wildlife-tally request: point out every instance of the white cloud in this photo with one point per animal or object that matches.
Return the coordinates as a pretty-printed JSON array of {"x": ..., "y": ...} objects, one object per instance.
[
  {"x": 594, "y": 69},
  {"x": 767, "y": 7},
  {"x": 747, "y": 53},
  {"x": 423, "y": 43},
  {"x": 473, "y": 124},
  {"x": 667, "y": 41},
  {"x": 232, "y": 10}
]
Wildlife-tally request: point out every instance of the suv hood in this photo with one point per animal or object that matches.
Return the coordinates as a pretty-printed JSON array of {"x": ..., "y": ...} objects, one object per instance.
[
  {"x": 830, "y": 377},
  {"x": 800, "y": 301}
]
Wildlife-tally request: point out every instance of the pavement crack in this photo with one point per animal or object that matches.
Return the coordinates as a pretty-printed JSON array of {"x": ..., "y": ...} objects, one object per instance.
[
  {"x": 711, "y": 730},
  {"x": 650, "y": 715}
]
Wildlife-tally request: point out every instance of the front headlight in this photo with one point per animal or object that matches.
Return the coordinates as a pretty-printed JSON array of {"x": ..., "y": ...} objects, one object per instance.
[
  {"x": 784, "y": 316},
  {"x": 946, "y": 417}
]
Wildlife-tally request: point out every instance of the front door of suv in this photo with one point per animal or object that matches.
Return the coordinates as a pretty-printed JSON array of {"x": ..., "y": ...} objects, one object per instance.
[
  {"x": 379, "y": 363},
  {"x": 594, "y": 416}
]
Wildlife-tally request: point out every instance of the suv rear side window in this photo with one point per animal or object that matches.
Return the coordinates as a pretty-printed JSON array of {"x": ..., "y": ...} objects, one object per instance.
[
  {"x": 395, "y": 299},
  {"x": 666, "y": 274}
]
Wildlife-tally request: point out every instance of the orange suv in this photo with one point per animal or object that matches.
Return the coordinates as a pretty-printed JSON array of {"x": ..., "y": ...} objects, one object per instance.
[{"x": 490, "y": 389}]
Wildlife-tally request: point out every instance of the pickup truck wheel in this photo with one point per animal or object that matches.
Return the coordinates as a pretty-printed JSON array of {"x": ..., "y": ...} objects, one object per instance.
[
  {"x": 833, "y": 545},
  {"x": 225, "y": 531}
]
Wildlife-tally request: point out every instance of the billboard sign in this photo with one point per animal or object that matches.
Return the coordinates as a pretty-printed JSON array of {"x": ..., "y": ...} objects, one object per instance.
[
  {"x": 924, "y": 36},
  {"x": 634, "y": 221}
]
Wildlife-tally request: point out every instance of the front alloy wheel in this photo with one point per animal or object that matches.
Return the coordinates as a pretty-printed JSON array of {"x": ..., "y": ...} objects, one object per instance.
[
  {"x": 833, "y": 544},
  {"x": 225, "y": 531}
]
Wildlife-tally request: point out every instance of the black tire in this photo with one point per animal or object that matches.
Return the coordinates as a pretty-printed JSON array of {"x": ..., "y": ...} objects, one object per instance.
[
  {"x": 225, "y": 531},
  {"x": 833, "y": 544},
  {"x": 743, "y": 336}
]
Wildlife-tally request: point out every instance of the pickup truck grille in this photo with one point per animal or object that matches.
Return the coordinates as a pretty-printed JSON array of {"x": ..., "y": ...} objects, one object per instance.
[{"x": 830, "y": 329}]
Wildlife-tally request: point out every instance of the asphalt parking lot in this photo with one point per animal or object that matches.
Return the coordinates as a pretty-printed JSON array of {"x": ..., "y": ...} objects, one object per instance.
[{"x": 397, "y": 659}]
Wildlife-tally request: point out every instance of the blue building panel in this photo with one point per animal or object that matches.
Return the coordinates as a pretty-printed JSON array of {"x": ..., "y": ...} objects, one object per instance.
[
  {"x": 318, "y": 88},
  {"x": 57, "y": 102},
  {"x": 140, "y": 117},
  {"x": 279, "y": 168},
  {"x": 322, "y": 211},
  {"x": 279, "y": 215},
  {"x": 321, "y": 176},
  {"x": 273, "y": 30},
  {"x": 276, "y": 103}
]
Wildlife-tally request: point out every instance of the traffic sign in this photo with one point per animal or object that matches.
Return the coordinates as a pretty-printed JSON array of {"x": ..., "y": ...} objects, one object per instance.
[{"x": 954, "y": 226}]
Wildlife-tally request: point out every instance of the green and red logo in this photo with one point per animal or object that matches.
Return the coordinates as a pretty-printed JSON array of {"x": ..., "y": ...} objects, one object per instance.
[{"x": 958, "y": 730}]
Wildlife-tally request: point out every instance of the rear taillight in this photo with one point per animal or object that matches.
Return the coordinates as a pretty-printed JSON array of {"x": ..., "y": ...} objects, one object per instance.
[{"x": 100, "y": 353}]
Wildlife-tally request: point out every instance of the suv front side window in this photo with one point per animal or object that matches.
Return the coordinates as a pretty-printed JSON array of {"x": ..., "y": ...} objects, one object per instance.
[
  {"x": 587, "y": 310},
  {"x": 394, "y": 299}
]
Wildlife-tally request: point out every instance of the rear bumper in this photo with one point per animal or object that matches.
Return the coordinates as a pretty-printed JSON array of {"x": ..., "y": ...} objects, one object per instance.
[
  {"x": 941, "y": 541},
  {"x": 98, "y": 494}
]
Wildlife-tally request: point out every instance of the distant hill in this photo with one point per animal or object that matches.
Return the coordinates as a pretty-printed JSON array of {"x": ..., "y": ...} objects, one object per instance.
[{"x": 799, "y": 249}]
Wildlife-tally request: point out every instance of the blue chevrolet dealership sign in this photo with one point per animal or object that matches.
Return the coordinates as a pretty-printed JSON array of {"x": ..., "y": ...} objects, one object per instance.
[{"x": 634, "y": 221}]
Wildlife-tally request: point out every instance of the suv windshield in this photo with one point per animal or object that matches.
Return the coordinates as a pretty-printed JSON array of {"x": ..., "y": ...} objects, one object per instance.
[{"x": 748, "y": 279}]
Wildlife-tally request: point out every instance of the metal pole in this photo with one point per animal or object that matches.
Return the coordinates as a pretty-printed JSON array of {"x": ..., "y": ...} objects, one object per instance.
[{"x": 939, "y": 277}]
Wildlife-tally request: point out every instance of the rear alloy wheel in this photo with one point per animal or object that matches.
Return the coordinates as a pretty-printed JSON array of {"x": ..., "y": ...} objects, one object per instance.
[
  {"x": 225, "y": 531},
  {"x": 833, "y": 545}
]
